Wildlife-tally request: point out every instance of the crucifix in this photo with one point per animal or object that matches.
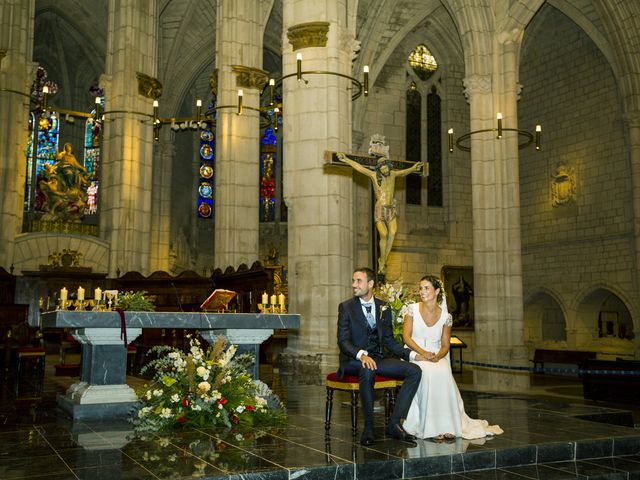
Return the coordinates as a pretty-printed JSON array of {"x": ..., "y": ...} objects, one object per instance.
[{"x": 383, "y": 173}]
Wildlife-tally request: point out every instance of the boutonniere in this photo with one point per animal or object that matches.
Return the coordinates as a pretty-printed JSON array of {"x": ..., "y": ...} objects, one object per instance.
[{"x": 384, "y": 307}]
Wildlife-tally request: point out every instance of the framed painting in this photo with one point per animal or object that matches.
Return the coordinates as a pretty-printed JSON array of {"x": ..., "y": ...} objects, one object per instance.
[{"x": 458, "y": 285}]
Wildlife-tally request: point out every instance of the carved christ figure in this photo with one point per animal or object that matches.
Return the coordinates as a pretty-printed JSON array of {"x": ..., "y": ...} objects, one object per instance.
[{"x": 383, "y": 179}]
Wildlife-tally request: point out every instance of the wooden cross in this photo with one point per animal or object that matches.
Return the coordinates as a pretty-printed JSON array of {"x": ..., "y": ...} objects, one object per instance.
[{"x": 370, "y": 161}]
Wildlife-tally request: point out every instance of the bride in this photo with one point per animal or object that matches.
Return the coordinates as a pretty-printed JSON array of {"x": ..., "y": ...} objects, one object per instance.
[{"x": 437, "y": 409}]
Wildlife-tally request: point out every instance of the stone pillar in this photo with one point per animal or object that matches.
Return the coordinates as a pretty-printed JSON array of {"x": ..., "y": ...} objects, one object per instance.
[
  {"x": 632, "y": 120},
  {"x": 321, "y": 225},
  {"x": 16, "y": 73},
  {"x": 161, "y": 202},
  {"x": 125, "y": 217},
  {"x": 497, "y": 263},
  {"x": 239, "y": 35}
]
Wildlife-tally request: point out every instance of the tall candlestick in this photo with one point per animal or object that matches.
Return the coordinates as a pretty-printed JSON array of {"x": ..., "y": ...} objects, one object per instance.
[
  {"x": 499, "y": 117},
  {"x": 281, "y": 301},
  {"x": 366, "y": 80},
  {"x": 265, "y": 298},
  {"x": 97, "y": 294},
  {"x": 299, "y": 66},
  {"x": 274, "y": 299},
  {"x": 272, "y": 87},
  {"x": 80, "y": 294},
  {"x": 63, "y": 294},
  {"x": 450, "y": 132},
  {"x": 240, "y": 95},
  {"x": 538, "y": 134}
]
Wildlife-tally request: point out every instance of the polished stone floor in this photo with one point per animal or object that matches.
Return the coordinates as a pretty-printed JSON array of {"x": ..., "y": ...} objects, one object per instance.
[{"x": 559, "y": 437}]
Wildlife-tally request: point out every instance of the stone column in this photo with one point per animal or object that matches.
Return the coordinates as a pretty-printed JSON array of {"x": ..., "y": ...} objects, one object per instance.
[
  {"x": 632, "y": 120},
  {"x": 161, "y": 202},
  {"x": 317, "y": 117},
  {"x": 497, "y": 263},
  {"x": 16, "y": 73},
  {"x": 125, "y": 217},
  {"x": 239, "y": 33}
]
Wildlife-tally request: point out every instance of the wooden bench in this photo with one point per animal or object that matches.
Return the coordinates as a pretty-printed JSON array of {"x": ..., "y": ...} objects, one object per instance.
[
  {"x": 611, "y": 386},
  {"x": 575, "y": 357}
]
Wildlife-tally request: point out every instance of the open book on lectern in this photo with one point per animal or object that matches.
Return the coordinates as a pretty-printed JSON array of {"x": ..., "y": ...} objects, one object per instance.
[{"x": 218, "y": 300}]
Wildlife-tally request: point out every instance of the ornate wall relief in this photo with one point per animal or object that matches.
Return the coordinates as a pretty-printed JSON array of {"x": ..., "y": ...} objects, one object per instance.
[{"x": 563, "y": 185}]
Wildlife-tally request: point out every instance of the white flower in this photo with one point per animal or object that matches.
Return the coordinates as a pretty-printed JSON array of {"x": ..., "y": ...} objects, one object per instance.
[
  {"x": 172, "y": 458},
  {"x": 157, "y": 393},
  {"x": 143, "y": 411},
  {"x": 196, "y": 407},
  {"x": 163, "y": 442},
  {"x": 166, "y": 413},
  {"x": 239, "y": 437},
  {"x": 175, "y": 398},
  {"x": 203, "y": 372},
  {"x": 148, "y": 394},
  {"x": 220, "y": 407},
  {"x": 215, "y": 395},
  {"x": 240, "y": 408},
  {"x": 204, "y": 386}
]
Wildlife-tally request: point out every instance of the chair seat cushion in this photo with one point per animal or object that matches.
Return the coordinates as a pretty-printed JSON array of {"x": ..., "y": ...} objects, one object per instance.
[{"x": 351, "y": 382}]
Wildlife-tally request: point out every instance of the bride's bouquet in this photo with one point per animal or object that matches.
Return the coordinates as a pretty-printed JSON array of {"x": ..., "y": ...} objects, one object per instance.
[{"x": 397, "y": 298}]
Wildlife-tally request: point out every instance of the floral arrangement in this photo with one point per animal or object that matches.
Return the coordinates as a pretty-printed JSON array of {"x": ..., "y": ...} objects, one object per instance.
[
  {"x": 134, "y": 302},
  {"x": 397, "y": 298},
  {"x": 204, "y": 388}
]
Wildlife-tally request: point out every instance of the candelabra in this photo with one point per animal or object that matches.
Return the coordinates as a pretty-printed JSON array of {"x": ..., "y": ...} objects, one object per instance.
[{"x": 499, "y": 130}]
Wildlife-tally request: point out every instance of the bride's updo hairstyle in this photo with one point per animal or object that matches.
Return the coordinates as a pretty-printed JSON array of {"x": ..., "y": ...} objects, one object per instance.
[{"x": 436, "y": 283}]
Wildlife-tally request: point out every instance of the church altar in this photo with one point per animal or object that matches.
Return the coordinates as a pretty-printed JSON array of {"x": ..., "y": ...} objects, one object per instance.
[{"x": 102, "y": 391}]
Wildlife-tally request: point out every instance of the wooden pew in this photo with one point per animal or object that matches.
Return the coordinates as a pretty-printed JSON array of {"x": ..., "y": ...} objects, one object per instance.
[
  {"x": 575, "y": 357},
  {"x": 612, "y": 386}
]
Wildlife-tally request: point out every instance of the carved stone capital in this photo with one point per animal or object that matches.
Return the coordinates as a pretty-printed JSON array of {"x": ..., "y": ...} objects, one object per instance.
[
  {"x": 312, "y": 34},
  {"x": 3, "y": 53},
  {"x": 213, "y": 82},
  {"x": 476, "y": 84},
  {"x": 249, "y": 77},
  {"x": 149, "y": 87}
]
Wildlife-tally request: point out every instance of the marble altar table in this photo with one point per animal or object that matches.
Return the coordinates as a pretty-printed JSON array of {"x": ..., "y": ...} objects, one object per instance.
[{"x": 102, "y": 391}]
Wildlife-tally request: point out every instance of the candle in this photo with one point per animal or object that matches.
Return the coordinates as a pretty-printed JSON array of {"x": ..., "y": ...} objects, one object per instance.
[
  {"x": 538, "y": 133},
  {"x": 499, "y": 118},
  {"x": 366, "y": 80},
  {"x": 272, "y": 88},
  {"x": 265, "y": 298},
  {"x": 299, "y": 66},
  {"x": 240, "y": 95},
  {"x": 274, "y": 299},
  {"x": 281, "y": 301},
  {"x": 80, "y": 294},
  {"x": 97, "y": 294},
  {"x": 450, "y": 133},
  {"x": 63, "y": 294}
]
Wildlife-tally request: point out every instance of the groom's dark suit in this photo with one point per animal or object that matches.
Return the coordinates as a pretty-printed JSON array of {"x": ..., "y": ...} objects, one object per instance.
[{"x": 354, "y": 335}]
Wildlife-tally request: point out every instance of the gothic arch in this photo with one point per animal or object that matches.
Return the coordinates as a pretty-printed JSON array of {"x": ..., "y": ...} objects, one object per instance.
[{"x": 545, "y": 318}]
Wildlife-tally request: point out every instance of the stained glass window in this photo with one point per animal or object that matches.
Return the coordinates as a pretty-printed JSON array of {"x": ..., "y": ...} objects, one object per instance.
[
  {"x": 206, "y": 173},
  {"x": 268, "y": 154},
  {"x": 414, "y": 143},
  {"x": 434, "y": 149},
  {"x": 92, "y": 137},
  {"x": 42, "y": 145},
  {"x": 423, "y": 62}
]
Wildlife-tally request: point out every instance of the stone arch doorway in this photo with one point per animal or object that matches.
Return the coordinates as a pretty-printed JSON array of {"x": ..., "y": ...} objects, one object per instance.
[
  {"x": 545, "y": 321},
  {"x": 604, "y": 323}
]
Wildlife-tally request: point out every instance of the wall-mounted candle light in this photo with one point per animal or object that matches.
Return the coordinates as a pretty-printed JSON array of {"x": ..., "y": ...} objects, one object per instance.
[
  {"x": 366, "y": 80},
  {"x": 450, "y": 135},
  {"x": 276, "y": 112},
  {"x": 240, "y": 95},
  {"x": 45, "y": 94},
  {"x": 538, "y": 135},
  {"x": 499, "y": 116},
  {"x": 299, "y": 66},
  {"x": 198, "y": 110},
  {"x": 98, "y": 105},
  {"x": 155, "y": 112},
  {"x": 272, "y": 87}
]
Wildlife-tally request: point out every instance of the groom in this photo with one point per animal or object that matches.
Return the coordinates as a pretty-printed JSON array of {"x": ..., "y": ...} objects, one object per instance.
[{"x": 365, "y": 337}]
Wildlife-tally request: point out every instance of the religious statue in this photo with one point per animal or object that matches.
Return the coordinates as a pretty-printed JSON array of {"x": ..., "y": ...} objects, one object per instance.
[
  {"x": 383, "y": 179},
  {"x": 64, "y": 185}
]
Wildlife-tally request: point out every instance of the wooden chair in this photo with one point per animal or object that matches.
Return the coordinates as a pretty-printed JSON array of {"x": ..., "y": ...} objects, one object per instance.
[
  {"x": 27, "y": 342},
  {"x": 351, "y": 384}
]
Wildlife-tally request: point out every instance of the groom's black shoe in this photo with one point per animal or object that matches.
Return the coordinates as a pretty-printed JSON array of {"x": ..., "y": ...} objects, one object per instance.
[
  {"x": 367, "y": 438},
  {"x": 397, "y": 432}
]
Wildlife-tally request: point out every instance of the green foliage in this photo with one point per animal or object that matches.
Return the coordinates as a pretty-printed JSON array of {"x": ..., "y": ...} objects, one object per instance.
[{"x": 134, "y": 302}]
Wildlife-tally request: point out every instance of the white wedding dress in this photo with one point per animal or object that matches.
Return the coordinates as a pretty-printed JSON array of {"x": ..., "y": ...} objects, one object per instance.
[{"x": 437, "y": 407}]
